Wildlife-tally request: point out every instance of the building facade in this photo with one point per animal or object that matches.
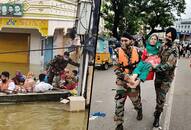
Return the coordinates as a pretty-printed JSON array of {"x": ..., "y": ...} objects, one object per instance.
[
  {"x": 32, "y": 33},
  {"x": 183, "y": 27}
]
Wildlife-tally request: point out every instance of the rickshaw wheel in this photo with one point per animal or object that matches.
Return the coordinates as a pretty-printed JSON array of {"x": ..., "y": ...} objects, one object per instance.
[{"x": 106, "y": 66}]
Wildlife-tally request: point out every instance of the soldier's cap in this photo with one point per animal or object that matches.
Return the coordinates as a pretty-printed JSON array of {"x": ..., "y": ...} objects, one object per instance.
[
  {"x": 173, "y": 32},
  {"x": 127, "y": 35}
]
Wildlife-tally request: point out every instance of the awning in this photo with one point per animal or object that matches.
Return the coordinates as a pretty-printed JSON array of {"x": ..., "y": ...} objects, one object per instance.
[{"x": 41, "y": 25}]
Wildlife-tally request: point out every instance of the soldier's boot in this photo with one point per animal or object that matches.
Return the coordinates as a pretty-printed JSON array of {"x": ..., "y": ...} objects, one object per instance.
[
  {"x": 119, "y": 127},
  {"x": 139, "y": 114},
  {"x": 157, "y": 119}
]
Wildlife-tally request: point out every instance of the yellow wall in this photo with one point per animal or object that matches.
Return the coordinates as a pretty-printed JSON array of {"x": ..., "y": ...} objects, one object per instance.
[{"x": 10, "y": 42}]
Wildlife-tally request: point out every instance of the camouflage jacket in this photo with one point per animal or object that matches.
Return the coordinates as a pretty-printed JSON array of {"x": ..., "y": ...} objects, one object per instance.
[
  {"x": 58, "y": 64},
  {"x": 165, "y": 70},
  {"x": 119, "y": 69}
]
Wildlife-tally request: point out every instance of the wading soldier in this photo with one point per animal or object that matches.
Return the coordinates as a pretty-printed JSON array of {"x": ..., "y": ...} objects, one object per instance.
[
  {"x": 58, "y": 64},
  {"x": 165, "y": 72},
  {"x": 126, "y": 60}
]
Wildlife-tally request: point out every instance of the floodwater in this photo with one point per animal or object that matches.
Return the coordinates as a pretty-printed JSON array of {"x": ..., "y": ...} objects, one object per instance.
[{"x": 40, "y": 116}]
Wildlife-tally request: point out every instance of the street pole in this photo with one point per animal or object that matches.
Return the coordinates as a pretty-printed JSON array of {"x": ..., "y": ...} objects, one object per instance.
[
  {"x": 81, "y": 57},
  {"x": 91, "y": 55},
  {"x": 85, "y": 82},
  {"x": 86, "y": 57},
  {"x": 77, "y": 14},
  {"x": 84, "y": 14},
  {"x": 96, "y": 18}
]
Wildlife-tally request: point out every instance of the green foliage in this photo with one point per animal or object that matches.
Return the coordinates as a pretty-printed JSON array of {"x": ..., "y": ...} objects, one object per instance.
[{"x": 131, "y": 14}]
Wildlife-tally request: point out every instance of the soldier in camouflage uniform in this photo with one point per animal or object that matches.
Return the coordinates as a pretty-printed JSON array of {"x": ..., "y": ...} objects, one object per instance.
[
  {"x": 121, "y": 68},
  {"x": 165, "y": 72},
  {"x": 57, "y": 65}
]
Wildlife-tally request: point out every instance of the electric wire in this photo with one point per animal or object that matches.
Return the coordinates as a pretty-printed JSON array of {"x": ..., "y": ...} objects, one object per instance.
[{"x": 35, "y": 50}]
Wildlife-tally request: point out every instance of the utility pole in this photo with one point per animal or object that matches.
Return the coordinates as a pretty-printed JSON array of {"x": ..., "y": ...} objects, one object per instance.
[
  {"x": 83, "y": 23},
  {"x": 77, "y": 14},
  {"x": 90, "y": 51},
  {"x": 96, "y": 17},
  {"x": 86, "y": 57},
  {"x": 87, "y": 25}
]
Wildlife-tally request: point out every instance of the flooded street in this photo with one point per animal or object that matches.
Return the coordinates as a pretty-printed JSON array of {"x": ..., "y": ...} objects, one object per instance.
[
  {"x": 40, "y": 116},
  {"x": 44, "y": 43}
]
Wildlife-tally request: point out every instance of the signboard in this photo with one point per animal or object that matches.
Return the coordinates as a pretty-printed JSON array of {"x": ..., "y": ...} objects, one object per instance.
[
  {"x": 41, "y": 25},
  {"x": 11, "y": 10}
]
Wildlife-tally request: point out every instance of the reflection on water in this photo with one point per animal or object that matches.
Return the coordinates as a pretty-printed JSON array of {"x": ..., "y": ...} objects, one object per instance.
[{"x": 40, "y": 116}]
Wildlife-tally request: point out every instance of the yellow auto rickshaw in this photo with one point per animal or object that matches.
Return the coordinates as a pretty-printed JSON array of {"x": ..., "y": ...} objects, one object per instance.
[{"x": 103, "y": 54}]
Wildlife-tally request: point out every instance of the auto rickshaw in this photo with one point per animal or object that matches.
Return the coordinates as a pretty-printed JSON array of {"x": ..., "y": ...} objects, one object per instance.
[{"x": 103, "y": 54}]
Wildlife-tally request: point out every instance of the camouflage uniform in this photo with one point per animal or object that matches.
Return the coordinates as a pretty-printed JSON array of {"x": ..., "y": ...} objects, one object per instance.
[
  {"x": 56, "y": 66},
  {"x": 165, "y": 74},
  {"x": 122, "y": 91}
]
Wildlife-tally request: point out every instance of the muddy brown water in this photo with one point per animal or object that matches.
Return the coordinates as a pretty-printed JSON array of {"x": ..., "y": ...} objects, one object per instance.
[
  {"x": 37, "y": 115},
  {"x": 40, "y": 116}
]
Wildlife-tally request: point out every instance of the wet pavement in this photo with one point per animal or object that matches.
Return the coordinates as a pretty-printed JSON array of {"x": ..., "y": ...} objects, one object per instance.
[
  {"x": 103, "y": 101},
  {"x": 181, "y": 107}
]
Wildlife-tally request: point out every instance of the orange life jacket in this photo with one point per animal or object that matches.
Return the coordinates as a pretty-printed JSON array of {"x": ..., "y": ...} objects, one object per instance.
[{"x": 124, "y": 59}]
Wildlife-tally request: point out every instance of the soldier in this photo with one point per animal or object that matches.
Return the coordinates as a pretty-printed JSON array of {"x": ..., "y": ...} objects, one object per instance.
[
  {"x": 126, "y": 60},
  {"x": 165, "y": 72},
  {"x": 58, "y": 64}
]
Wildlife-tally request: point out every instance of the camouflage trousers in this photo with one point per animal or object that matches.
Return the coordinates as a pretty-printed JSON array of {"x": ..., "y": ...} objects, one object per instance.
[
  {"x": 121, "y": 95},
  {"x": 161, "y": 89}
]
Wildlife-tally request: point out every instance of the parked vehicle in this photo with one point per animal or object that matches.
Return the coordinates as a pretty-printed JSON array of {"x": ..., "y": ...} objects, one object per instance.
[{"x": 103, "y": 54}]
